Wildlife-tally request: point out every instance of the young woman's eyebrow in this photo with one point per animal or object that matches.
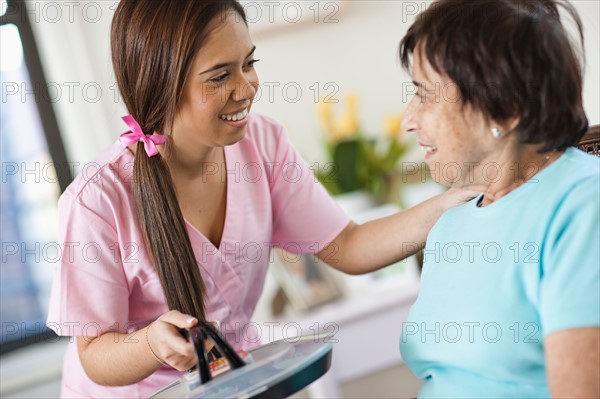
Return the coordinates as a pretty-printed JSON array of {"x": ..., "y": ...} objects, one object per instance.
[{"x": 226, "y": 64}]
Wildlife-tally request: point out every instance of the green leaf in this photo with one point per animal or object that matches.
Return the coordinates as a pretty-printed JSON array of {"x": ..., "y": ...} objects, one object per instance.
[{"x": 347, "y": 157}]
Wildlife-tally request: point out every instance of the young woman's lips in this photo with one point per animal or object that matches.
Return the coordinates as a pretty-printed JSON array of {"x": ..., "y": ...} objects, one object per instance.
[{"x": 236, "y": 119}]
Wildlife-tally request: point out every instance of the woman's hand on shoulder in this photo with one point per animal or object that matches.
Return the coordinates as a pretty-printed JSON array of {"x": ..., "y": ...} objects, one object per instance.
[
  {"x": 455, "y": 196},
  {"x": 167, "y": 344}
]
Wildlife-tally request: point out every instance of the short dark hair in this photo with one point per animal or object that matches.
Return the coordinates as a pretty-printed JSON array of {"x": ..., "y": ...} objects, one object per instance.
[{"x": 508, "y": 58}]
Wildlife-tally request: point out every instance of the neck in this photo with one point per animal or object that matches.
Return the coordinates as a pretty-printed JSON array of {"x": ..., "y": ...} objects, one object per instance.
[
  {"x": 515, "y": 170},
  {"x": 193, "y": 163}
]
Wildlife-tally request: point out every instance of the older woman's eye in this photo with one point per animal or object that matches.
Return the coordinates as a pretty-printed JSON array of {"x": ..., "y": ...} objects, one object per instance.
[{"x": 425, "y": 97}]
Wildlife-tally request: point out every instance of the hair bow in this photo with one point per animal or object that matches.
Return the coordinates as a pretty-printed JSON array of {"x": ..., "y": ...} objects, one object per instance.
[{"x": 136, "y": 134}]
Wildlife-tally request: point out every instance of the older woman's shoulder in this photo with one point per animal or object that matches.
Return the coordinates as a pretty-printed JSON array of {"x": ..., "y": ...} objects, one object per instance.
[
  {"x": 581, "y": 164},
  {"x": 575, "y": 181}
]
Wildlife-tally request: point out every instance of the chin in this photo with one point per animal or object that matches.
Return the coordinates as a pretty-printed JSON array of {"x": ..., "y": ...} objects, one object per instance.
[
  {"x": 448, "y": 174},
  {"x": 236, "y": 137}
]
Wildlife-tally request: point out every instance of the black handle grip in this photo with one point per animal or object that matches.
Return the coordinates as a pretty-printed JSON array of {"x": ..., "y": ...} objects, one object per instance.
[{"x": 199, "y": 334}]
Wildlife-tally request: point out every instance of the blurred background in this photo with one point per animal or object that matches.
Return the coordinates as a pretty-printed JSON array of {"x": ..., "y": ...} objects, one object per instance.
[{"x": 329, "y": 72}]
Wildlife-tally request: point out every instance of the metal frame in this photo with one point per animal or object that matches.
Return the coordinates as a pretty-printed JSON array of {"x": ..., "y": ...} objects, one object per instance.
[{"x": 16, "y": 15}]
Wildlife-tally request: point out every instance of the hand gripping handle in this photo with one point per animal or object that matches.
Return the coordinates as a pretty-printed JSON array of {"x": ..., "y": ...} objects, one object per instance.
[{"x": 199, "y": 334}]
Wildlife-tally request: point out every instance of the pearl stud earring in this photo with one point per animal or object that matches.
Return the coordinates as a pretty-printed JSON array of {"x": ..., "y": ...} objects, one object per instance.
[{"x": 497, "y": 133}]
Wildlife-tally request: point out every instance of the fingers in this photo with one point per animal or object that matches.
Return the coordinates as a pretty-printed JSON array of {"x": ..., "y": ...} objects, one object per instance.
[
  {"x": 472, "y": 187},
  {"x": 457, "y": 196},
  {"x": 167, "y": 342},
  {"x": 176, "y": 342},
  {"x": 468, "y": 194},
  {"x": 467, "y": 191},
  {"x": 179, "y": 319}
]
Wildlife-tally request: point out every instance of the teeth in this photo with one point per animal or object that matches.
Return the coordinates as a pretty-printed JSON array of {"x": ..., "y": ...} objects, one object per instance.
[
  {"x": 428, "y": 148},
  {"x": 235, "y": 117}
]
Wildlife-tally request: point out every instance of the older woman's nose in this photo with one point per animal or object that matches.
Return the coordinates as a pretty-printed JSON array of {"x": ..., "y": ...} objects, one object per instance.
[{"x": 409, "y": 122}]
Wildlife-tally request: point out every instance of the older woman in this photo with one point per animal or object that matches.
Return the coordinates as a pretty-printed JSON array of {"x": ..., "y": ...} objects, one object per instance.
[{"x": 510, "y": 297}]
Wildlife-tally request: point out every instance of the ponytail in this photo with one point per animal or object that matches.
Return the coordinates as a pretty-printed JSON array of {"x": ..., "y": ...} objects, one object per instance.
[{"x": 166, "y": 236}]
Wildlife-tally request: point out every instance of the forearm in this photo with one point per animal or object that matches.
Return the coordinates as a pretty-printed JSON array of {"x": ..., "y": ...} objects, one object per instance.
[
  {"x": 378, "y": 243},
  {"x": 116, "y": 359}
]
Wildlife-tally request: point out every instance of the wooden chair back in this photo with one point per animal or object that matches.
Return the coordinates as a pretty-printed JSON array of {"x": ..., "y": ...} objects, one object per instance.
[{"x": 590, "y": 142}]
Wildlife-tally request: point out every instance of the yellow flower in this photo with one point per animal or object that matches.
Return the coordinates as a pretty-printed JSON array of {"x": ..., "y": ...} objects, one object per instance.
[
  {"x": 345, "y": 127},
  {"x": 352, "y": 104},
  {"x": 392, "y": 126},
  {"x": 326, "y": 118},
  {"x": 325, "y": 114},
  {"x": 375, "y": 159}
]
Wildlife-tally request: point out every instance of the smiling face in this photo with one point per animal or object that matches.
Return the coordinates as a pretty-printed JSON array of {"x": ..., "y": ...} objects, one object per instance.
[
  {"x": 219, "y": 88},
  {"x": 456, "y": 139}
]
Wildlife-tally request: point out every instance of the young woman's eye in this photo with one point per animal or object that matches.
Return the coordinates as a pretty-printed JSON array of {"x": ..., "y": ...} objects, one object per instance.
[
  {"x": 251, "y": 63},
  {"x": 220, "y": 78}
]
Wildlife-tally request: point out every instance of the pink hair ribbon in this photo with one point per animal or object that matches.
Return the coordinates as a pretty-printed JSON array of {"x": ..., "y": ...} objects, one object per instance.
[{"x": 136, "y": 134}]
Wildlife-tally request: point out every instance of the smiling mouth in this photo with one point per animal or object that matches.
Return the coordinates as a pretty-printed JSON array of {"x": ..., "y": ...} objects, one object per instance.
[
  {"x": 428, "y": 149},
  {"x": 237, "y": 116}
]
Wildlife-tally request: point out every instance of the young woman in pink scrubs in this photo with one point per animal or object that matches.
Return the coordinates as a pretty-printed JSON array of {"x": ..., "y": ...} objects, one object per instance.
[{"x": 178, "y": 220}]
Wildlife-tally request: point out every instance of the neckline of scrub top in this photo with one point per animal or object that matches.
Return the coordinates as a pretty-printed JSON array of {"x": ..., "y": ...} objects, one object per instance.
[
  {"x": 228, "y": 210},
  {"x": 224, "y": 277}
]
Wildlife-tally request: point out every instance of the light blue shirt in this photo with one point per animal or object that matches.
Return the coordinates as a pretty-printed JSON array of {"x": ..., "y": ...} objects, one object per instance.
[{"x": 498, "y": 279}]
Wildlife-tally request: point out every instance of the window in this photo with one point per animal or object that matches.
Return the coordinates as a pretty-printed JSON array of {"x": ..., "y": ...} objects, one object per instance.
[{"x": 34, "y": 173}]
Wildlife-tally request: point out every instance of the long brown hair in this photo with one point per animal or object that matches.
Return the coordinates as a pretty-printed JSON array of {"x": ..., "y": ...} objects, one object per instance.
[{"x": 153, "y": 44}]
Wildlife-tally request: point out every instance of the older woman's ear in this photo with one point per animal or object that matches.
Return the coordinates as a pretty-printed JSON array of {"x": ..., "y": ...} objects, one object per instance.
[{"x": 500, "y": 129}]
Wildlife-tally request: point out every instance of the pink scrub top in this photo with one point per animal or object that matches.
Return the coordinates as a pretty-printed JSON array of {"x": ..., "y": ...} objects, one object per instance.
[{"x": 106, "y": 279}]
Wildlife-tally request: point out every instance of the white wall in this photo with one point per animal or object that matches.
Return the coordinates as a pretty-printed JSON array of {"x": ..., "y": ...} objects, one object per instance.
[{"x": 357, "y": 54}]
